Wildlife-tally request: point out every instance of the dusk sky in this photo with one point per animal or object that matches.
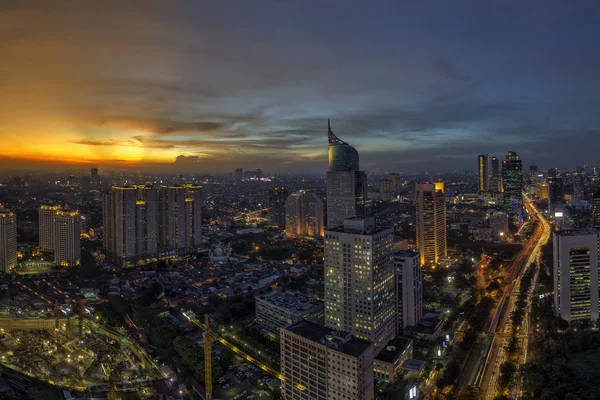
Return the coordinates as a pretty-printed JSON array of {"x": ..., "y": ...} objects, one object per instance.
[{"x": 210, "y": 86}]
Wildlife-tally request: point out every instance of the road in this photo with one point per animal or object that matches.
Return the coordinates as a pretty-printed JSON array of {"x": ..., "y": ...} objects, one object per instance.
[{"x": 502, "y": 328}]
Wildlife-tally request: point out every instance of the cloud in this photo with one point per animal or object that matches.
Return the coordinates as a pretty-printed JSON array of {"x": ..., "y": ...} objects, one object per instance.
[{"x": 449, "y": 70}]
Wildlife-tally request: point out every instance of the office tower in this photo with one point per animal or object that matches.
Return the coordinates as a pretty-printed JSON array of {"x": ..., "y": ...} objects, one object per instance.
[
  {"x": 346, "y": 185},
  {"x": 239, "y": 174},
  {"x": 360, "y": 296},
  {"x": 495, "y": 182},
  {"x": 577, "y": 180},
  {"x": 94, "y": 177},
  {"x": 544, "y": 190},
  {"x": 67, "y": 245},
  {"x": 85, "y": 182},
  {"x": 552, "y": 172},
  {"x": 8, "y": 240},
  {"x": 277, "y": 198},
  {"x": 304, "y": 215},
  {"x": 385, "y": 189},
  {"x": 130, "y": 216},
  {"x": 533, "y": 174},
  {"x": 512, "y": 180},
  {"x": 596, "y": 173},
  {"x": 498, "y": 223},
  {"x": 430, "y": 223},
  {"x": 396, "y": 182},
  {"x": 556, "y": 192},
  {"x": 576, "y": 274},
  {"x": 180, "y": 218},
  {"x": 484, "y": 172},
  {"x": 47, "y": 217},
  {"x": 409, "y": 288},
  {"x": 596, "y": 211},
  {"x": 321, "y": 364}
]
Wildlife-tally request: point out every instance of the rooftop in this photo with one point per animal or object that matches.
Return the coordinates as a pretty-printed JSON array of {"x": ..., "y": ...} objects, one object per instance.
[
  {"x": 394, "y": 349},
  {"x": 413, "y": 365},
  {"x": 406, "y": 253},
  {"x": 359, "y": 226},
  {"x": 340, "y": 341},
  {"x": 576, "y": 232},
  {"x": 290, "y": 300}
]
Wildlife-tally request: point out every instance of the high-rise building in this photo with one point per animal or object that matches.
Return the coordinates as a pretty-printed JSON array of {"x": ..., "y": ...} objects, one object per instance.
[
  {"x": 577, "y": 181},
  {"x": 130, "y": 217},
  {"x": 396, "y": 182},
  {"x": 533, "y": 174},
  {"x": 304, "y": 215},
  {"x": 596, "y": 211},
  {"x": 239, "y": 174},
  {"x": 431, "y": 223},
  {"x": 277, "y": 198},
  {"x": 484, "y": 172},
  {"x": 359, "y": 280},
  {"x": 409, "y": 288},
  {"x": 346, "y": 185},
  {"x": 512, "y": 180},
  {"x": 576, "y": 274},
  {"x": 59, "y": 233},
  {"x": 8, "y": 240},
  {"x": 180, "y": 218},
  {"x": 47, "y": 217},
  {"x": 544, "y": 190},
  {"x": 94, "y": 176},
  {"x": 385, "y": 189},
  {"x": 323, "y": 364},
  {"x": 495, "y": 182},
  {"x": 556, "y": 192},
  {"x": 67, "y": 245}
]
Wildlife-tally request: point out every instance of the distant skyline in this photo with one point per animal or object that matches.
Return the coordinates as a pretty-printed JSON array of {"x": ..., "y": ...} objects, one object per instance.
[{"x": 210, "y": 86}]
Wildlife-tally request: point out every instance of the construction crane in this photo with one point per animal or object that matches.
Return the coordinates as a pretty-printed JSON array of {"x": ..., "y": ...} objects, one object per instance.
[{"x": 208, "y": 336}]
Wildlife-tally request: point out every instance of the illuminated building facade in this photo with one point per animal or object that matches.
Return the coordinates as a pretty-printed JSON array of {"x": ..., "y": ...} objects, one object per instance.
[
  {"x": 512, "y": 180},
  {"x": 431, "y": 222},
  {"x": 8, "y": 240},
  {"x": 409, "y": 288},
  {"x": 576, "y": 274},
  {"x": 495, "y": 181},
  {"x": 277, "y": 198},
  {"x": 47, "y": 217},
  {"x": 596, "y": 211},
  {"x": 577, "y": 181},
  {"x": 180, "y": 218},
  {"x": 346, "y": 185},
  {"x": 67, "y": 244},
  {"x": 304, "y": 215},
  {"x": 484, "y": 172},
  {"x": 544, "y": 190},
  {"x": 360, "y": 293},
  {"x": 556, "y": 192},
  {"x": 319, "y": 363},
  {"x": 130, "y": 223}
]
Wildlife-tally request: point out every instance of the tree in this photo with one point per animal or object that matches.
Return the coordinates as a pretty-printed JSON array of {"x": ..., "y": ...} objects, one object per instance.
[{"x": 467, "y": 393}]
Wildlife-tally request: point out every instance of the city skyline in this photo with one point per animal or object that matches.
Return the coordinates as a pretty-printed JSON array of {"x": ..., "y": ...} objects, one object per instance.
[{"x": 202, "y": 87}]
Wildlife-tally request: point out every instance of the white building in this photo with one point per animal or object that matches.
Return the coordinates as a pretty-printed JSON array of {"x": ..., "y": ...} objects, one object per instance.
[
  {"x": 67, "y": 244},
  {"x": 46, "y": 220},
  {"x": 8, "y": 240},
  {"x": 576, "y": 274},
  {"x": 278, "y": 309},
  {"x": 360, "y": 293},
  {"x": 410, "y": 288},
  {"x": 304, "y": 215},
  {"x": 130, "y": 223},
  {"x": 321, "y": 364},
  {"x": 431, "y": 222}
]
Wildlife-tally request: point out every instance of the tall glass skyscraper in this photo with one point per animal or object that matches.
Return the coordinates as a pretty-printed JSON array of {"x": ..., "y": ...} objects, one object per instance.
[
  {"x": 512, "y": 179},
  {"x": 346, "y": 185}
]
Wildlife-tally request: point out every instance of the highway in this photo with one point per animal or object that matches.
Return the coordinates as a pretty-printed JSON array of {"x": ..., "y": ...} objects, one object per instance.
[{"x": 501, "y": 326}]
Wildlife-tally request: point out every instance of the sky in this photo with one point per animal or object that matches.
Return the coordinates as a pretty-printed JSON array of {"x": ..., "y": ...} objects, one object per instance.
[{"x": 209, "y": 86}]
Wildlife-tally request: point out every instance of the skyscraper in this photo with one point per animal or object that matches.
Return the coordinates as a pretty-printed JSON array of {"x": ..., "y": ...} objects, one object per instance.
[
  {"x": 94, "y": 177},
  {"x": 67, "y": 245},
  {"x": 130, "y": 217},
  {"x": 359, "y": 280},
  {"x": 8, "y": 240},
  {"x": 596, "y": 211},
  {"x": 304, "y": 215},
  {"x": 277, "y": 198},
  {"x": 47, "y": 217},
  {"x": 512, "y": 180},
  {"x": 577, "y": 181},
  {"x": 346, "y": 185},
  {"x": 430, "y": 223},
  {"x": 533, "y": 174},
  {"x": 180, "y": 218},
  {"x": 576, "y": 274},
  {"x": 409, "y": 288},
  {"x": 484, "y": 172},
  {"x": 495, "y": 182},
  {"x": 324, "y": 364},
  {"x": 556, "y": 192},
  {"x": 396, "y": 182},
  {"x": 239, "y": 174}
]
